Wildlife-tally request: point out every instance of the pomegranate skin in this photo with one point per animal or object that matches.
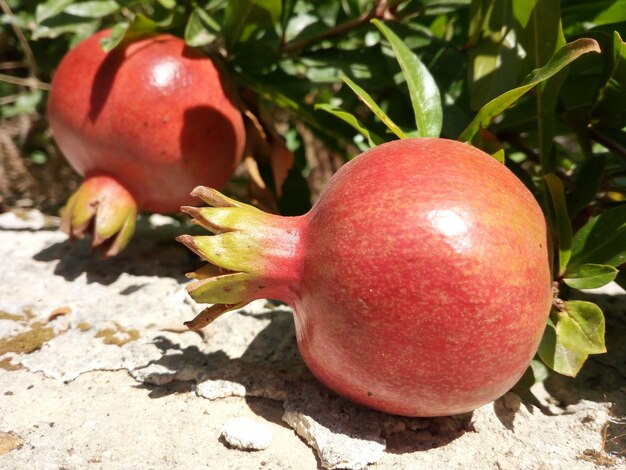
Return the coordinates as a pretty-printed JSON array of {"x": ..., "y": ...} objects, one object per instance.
[
  {"x": 153, "y": 114},
  {"x": 420, "y": 280},
  {"x": 426, "y": 280}
]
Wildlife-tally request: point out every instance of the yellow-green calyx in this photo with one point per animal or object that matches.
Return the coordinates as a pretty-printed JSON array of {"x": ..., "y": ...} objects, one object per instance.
[
  {"x": 104, "y": 209},
  {"x": 245, "y": 250}
]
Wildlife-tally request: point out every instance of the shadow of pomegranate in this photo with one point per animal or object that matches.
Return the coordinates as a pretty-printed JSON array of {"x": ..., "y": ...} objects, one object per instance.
[
  {"x": 151, "y": 252},
  {"x": 275, "y": 378}
]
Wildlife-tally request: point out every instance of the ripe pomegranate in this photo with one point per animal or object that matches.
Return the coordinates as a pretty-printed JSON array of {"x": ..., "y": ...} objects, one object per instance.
[
  {"x": 144, "y": 124},
  {"x": 420, "y": 280}
]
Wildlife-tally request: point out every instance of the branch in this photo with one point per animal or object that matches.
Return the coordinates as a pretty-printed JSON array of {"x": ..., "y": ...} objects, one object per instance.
[
  {"x": 380, "y": 10},
  {"x": 609, "y": 143},
  {"x": 30, "y": 82},
  {"x": 30, "y": 57}
]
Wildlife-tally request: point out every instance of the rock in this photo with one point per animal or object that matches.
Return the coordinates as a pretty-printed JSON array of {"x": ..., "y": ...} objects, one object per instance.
[
  {"x": 121, "y": 357},
  {"x": 25, "y": 219},
  {"x": 247, "y": 434},
  {"x": 343, "y": 435}
]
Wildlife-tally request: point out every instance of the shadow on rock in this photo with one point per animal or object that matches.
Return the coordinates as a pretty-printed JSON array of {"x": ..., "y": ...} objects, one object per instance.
[
  {"x": 421, "y": 434},
  {"x": 603, "y": 377},
  {"x": 276, "y": 384},
  {"x": 505, "y": 409},
  {"x": 151, "y": 252}
]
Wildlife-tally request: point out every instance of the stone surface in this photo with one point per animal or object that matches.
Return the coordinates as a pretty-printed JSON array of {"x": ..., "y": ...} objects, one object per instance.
[
  {"x": 98, "y": 371},
  {"x": 247, "y": 434}
]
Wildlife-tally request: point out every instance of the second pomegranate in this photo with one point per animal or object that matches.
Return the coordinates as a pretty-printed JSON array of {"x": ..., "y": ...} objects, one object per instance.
[{"x": 144, "y": 124}]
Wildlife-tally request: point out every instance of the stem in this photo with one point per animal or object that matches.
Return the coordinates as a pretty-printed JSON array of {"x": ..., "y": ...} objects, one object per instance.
[
  {"x": 30, "y": 82},
  {"x": 380, "y": 10},
  {"x": 30, "y": 57},
  {"x": 609, "y": 143},
  {"x": 253, "y": 255}
]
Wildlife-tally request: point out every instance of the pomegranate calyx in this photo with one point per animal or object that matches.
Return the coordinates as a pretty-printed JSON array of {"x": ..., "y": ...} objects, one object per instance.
[
  {"x": 253, "y": 254},
  {"x": 103, "y": 209}
]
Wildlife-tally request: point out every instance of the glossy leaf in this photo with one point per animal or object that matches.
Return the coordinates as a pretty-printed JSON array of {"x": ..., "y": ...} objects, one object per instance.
[
  {"x": 93, "y": 9},
  {"x": 590, "y": 276},
  {"x": 610, "y": 109},
  {"x": 580, "y": 327},
  {"x": 494, "y": 55},
  {"x": 242, "y": 17},
  {"x": 50, "y": 8},
  {"x": 557, "y": 357},
  {"x": 423, "y": 90},
  {"x": 538, "y": 28},
  {"x": 169, "y": 4},
  {"x": 372, "y": 139},
  {"x": 495, "y": 107},
  {"x": 537, "y": 25},
  {"x": 594, "y": 12},
  {"x": 127, "y": 31},
  {"x": 371, "y": 104},
  {"x": 602, "y": 240},
  {"x": 563, "y": 225},
  {"x": 201, "y": 29}
]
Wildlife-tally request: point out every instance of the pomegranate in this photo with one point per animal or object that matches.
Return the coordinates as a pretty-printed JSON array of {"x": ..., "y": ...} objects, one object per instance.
[
  {"x": 420, "y": 280},
  {"x": 144, "y": 124}
]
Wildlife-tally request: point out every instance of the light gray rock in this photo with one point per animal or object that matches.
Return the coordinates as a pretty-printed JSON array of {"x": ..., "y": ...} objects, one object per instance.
[
  {"x": 119, "y": 364},
  {"x": 26, "y": 219},
  {"x": 344, "y": 436},
  {"x": 247, "y": 434}
]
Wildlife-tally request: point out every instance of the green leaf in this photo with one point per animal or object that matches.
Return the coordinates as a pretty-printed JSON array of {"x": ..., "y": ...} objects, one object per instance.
[
  {"x": 58, "y": 25},
  {"x": 559, "y": 60},
  {"x": 372, "y": 139},
  {"x": 494, "y": 55},
  {"x": 371, "y": 104},
  {"x": 243, "y": 17},
  {"x": 580, "y": 327},
  {"x": 563, "y": 225},
  {"x": 602, "y": 240},
  {"x": 50, "y": 8},
  {"x": 169, "y": 4},
  {"x": 201, "y": 29},
  {"x": 423, "y": 89},
  {"x": 594, "y": 12},
  {"x": 558, "y": 357},
  {"x": 121, "y": 32},
  {"x": 538, "y": 28},
  {"x": 94, "y": 9},
  {"x": 590, "y": 276},
  {"x": 610, "y": 109}
]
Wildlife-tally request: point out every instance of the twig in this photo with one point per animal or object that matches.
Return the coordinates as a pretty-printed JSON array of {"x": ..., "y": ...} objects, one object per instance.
[
  {"x": 378, "y": 11},
  {"x": 14, "y": 64},
  {"x": 609, "y": 143},
  {"x": 30, "y": 82},
  {"x": 517, "y": 143},
  {"x": 30, "y": 57},
  {"x": 8, "y": 99}
]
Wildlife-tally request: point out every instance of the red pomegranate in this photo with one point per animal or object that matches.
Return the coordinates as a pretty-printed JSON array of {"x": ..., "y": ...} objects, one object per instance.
[
  {"x": 420, "y": 280},
  {"x": 144, "y": 124}
]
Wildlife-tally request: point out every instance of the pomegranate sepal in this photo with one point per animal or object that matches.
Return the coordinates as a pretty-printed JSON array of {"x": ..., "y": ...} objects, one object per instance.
[
  {"x": 103, "y": 209},
  {"x": 253, "y": 254},
  {"x": 210, "y": 314}
]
